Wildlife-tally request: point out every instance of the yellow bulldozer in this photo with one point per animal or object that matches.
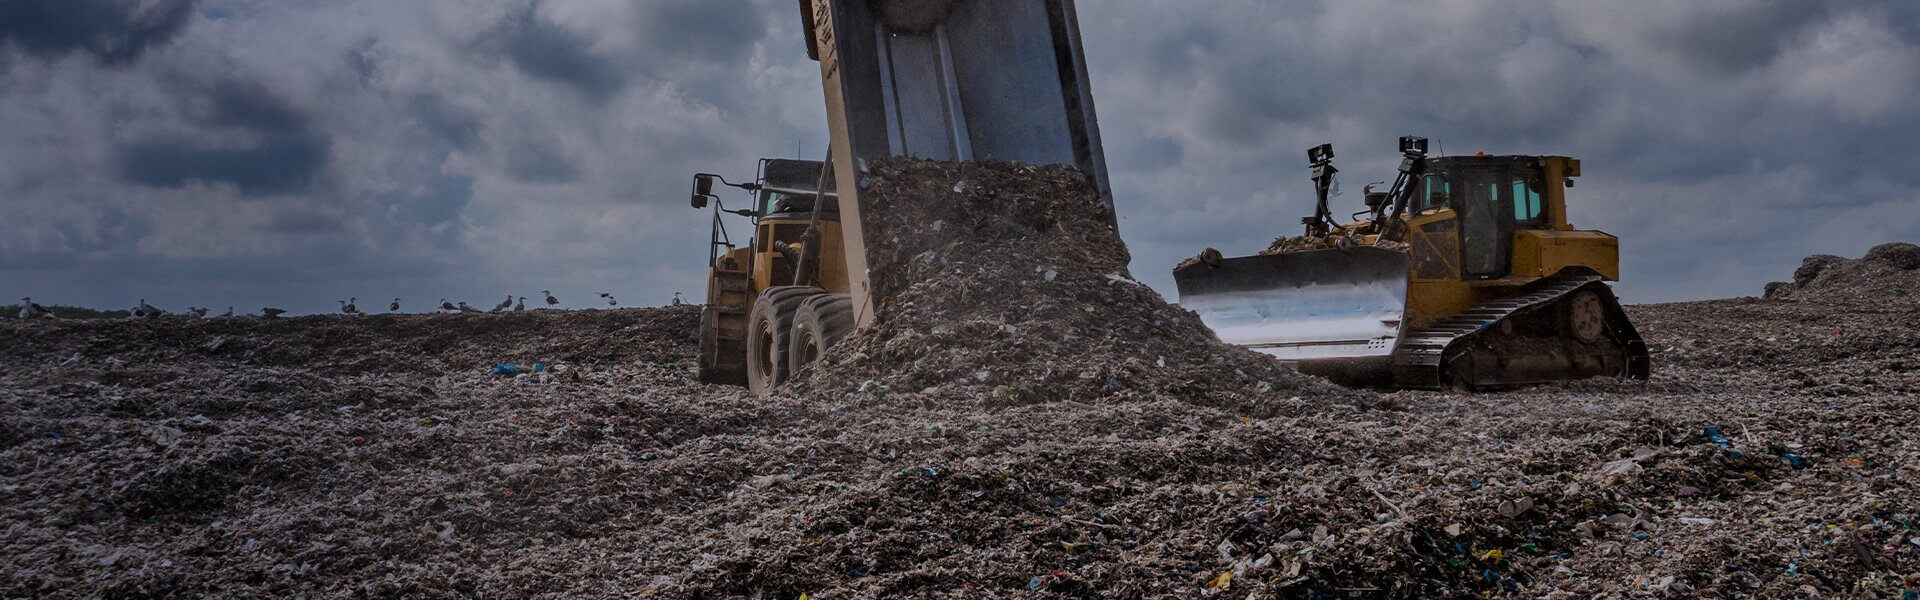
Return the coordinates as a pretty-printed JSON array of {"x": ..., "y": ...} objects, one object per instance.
[
  {"x": 1464, "y": 274},
  {"x": 937, "y": 79}
]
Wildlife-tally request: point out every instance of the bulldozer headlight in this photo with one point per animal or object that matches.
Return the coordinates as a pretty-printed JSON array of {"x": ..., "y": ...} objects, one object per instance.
[
  {"x": 1413, "y": 145},
  {"x": 1320, "y": 154}
]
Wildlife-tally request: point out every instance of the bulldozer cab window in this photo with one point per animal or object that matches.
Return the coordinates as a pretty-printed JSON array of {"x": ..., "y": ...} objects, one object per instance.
[
  {"x": 1526, "y": 201},
  {"x": 1434, "y": 192}
]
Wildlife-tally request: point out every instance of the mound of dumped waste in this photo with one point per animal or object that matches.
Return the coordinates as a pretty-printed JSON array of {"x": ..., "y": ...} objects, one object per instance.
[
  {"x": 1005, "y": 284},
  {"x": 1889, "y": 271}
]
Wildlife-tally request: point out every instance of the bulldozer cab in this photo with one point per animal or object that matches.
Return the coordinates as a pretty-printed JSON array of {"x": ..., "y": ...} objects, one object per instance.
[{"x": 1491, "y": 197}]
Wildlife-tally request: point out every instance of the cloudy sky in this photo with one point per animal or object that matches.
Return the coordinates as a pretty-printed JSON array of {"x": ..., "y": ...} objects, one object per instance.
[{"x": 254, "y": 152}]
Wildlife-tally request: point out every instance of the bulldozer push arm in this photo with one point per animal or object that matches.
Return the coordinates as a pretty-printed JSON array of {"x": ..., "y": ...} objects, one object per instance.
[
  {"x": 948, "y": 80},
  {"x": 1413, "y": 164}
]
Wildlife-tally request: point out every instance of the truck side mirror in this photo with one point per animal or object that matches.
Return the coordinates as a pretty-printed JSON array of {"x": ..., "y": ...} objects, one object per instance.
[{"x": 702, "y": 189}]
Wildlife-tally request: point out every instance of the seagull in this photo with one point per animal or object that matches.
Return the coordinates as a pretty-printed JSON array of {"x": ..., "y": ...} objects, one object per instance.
[
  {"x": 198, "y": 312},
  {"x": 348, "y": 306},
  {"x": 504, "y": 304},
  {"x": 445, "y": 305},
  {"x": 522, "y": 306},
  {"x": 468, "y": 309},
  {"x": 229, "y": 312},
  {"x": 29, "y": 310},
  {"x": 147, "y": 310},
  {"x": 550, "y": 299},
  {"x": 271, "y": 312},
  {"x": 610, "y": 300},
  {"x": 676, "y": 299},
  {"x": 394, "y": 306}
]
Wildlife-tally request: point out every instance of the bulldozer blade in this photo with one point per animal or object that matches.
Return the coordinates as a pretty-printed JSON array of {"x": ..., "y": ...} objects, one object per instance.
[{"x": 1310, "y": 305}]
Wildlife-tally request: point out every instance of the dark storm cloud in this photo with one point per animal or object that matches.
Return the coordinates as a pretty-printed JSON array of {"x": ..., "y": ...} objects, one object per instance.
[
  {"x": 278, "y": 164},
  {"x": 1728, "y": 40},
  {"x": 545, "y": 50},
  {"x": 1174, "y": 51},
  {"x": 441, "y": 199},
  {"x": 250, "y": 105},
  {"x": 304, "y": 221},
  {"x": 113, "y": 231},
  {"x": 1148, "y": 154},
  {"x": 455, "y": 124},
  {"x": 285, "y": 155},
  {"x": 362, "y": 60},
  {"x": 113, "y": 31},
  {"x": 719, "y": 31},
  {"x": 535, "y": 162},
  {"x": 373, "y": 148}
]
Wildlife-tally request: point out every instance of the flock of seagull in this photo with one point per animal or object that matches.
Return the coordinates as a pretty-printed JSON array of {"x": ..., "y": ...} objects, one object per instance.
[{"x": 350, "y": 306}]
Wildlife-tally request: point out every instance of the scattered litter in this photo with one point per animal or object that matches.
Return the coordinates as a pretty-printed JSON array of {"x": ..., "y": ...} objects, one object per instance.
[
  {"x": 884, "y": 481},
  {"x": 1713, "y": 433},
  {"x": 1222, "y": 582},
  {"x": 1794, "y": 459}
]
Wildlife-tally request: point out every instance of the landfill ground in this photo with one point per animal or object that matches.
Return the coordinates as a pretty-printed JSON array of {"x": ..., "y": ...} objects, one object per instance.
[{"x": 1078, "y": 440}]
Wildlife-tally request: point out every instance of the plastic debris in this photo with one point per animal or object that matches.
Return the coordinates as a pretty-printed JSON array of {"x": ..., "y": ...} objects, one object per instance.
[
  {"x": 1221, "y": 582},
  {"x": 1713, "y": 433},
  {"x": 507, "y": 369},
  {"x": 1794, "y": 459}
]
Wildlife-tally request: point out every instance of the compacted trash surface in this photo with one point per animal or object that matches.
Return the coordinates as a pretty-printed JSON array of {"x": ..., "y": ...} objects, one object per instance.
[{"x": 1026, "y": 421}]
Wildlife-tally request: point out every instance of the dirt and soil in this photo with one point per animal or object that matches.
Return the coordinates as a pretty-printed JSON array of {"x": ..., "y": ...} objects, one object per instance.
[{"x": 994, "y": 439}]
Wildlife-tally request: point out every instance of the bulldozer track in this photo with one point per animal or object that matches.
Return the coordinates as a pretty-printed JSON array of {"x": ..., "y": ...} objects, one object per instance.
[{"x": 1421, "y": 359}]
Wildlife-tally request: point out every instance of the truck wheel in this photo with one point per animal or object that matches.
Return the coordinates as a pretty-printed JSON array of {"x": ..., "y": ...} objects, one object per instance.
[
  {"x": 769, "y": 325},
  {"x": 820, "y": 323}
]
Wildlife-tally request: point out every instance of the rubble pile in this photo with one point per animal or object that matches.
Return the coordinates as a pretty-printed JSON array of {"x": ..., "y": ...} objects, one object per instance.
[
  {"x": 1888, "y": 271},
  {"x": 1286, "y": 244},
  {"x": 1005, "y": 283}
]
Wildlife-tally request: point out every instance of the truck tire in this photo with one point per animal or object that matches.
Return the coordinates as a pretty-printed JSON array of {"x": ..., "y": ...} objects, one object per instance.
[
  {"x": 769, "y": 326},
  {"x": 819, "y": 324}
]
